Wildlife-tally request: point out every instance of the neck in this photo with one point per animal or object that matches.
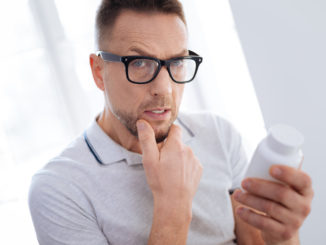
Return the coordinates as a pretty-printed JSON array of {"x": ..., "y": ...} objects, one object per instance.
[{"x": 118, "y": 132}]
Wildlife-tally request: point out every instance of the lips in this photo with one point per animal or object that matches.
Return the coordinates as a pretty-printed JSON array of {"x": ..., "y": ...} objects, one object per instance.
[
  {"x": 157, "y": 114},
  {"x": 157, "y": 111}
]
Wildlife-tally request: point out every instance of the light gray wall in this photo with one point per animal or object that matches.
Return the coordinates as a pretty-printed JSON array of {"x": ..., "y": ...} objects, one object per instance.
[{"x": 285, "y": 46}]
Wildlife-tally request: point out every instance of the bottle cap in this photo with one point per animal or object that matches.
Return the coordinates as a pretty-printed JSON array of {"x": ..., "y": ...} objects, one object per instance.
[{"x": 284, "y": 139}]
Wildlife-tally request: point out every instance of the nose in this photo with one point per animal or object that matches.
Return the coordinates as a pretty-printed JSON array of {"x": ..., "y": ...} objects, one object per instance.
[{"x": 162, "y": 84}]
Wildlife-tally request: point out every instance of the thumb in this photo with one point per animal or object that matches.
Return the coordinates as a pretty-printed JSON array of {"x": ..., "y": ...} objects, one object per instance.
[{"x": 147, "y": 141}]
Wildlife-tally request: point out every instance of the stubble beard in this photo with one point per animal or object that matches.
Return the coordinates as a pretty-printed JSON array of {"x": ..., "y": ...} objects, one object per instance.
[{"x": 129, "y": 120}]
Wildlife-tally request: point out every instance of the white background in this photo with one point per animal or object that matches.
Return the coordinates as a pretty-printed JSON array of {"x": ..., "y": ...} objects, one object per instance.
[
  {"x": 47, "y": 96},
  {"x": 285, "y": 46}
]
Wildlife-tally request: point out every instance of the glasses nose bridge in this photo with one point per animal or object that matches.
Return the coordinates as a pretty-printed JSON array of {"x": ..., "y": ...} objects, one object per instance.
[{"x": 163, "y": 63}]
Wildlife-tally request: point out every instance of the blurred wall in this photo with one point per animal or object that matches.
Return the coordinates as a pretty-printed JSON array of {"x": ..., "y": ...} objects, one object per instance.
[{"x": 284, "y": 42}]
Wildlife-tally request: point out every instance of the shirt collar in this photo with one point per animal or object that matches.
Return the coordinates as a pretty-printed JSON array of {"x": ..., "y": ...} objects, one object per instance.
[{"x": 109, "y": 152}]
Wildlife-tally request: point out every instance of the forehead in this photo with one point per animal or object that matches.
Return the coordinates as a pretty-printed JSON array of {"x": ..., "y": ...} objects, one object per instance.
[{"x": 155, "y": 33}]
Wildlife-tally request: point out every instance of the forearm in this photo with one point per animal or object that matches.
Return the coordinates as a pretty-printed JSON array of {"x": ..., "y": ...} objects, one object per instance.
[
  {"x": 173, "y": 173},
  {"x": 170, "y": 224}
]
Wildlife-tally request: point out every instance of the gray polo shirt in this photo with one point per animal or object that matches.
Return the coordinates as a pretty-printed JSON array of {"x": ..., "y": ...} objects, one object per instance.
[{"x": 75, "y": 199}]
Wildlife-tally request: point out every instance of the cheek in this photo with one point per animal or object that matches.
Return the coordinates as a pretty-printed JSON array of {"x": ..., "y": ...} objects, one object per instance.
[
  {"x": 178, "y": 93},
  {"x": 122, "y": 94}
]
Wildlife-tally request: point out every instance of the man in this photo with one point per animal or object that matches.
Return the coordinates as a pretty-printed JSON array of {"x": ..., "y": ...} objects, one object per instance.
[{"x": 144, "y": 173}]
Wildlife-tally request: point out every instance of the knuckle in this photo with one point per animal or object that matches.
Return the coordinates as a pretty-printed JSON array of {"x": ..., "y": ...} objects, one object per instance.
[
  {"x": 311, "y": 194},
  {"x": 189, "y": 153},
  {"x": 177, "y": 130},
  {"x": 263, "y": 224},
  {"x": 179, "y": 147},
  {"x": 282, "y": 195},
  {"x": 287, "y": 234},
  {"x": 306, "y": 180},
  {"x": 185, "y": 152},
  {"x": 269, "y": 207},
  {"x": 194, "y": 157},
  {"x": 296, "y": 223},
  {"x": 188, "y": 150},
  {"x": 306, "y": 209},
  {"x": 200, "y": 166}
]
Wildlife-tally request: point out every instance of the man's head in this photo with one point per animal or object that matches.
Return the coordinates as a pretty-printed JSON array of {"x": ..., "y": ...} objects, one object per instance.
[
  {"x": 147, "y": 28},
  {"x": 109, "y": 11}
]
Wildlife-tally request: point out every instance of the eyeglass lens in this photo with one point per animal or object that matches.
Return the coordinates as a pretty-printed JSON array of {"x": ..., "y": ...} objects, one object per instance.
[{"x": 142, "y": 70}]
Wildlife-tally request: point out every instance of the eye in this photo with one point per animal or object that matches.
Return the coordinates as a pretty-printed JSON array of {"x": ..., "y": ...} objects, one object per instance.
[
  {"x": 177, "y": 63},
  {"x": 138, "y": 63}
]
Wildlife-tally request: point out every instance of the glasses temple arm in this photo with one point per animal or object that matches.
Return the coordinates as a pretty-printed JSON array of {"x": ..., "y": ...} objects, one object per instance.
[{"x": 108, "y": 56}]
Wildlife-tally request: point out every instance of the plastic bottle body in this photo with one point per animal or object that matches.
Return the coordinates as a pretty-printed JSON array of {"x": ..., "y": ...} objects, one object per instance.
[{"x": 277, "y": 148}]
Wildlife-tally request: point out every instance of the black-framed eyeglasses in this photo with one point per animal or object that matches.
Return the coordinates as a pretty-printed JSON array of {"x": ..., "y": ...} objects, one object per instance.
[{"x": 144, "y": 69}]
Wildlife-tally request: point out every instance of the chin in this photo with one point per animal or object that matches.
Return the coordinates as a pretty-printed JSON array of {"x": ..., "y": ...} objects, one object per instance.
[
  {"x": 161, "y": 134},
  {"x": 160, "y": 138}
]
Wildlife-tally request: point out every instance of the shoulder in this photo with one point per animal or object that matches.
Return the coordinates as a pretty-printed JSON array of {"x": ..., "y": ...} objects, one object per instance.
[
  {"x": 63, "y": 182},
  {"x": 206, "y": 121},
  {"x": 208, "y": 128},
  {"x": 56, "y": 192},
  {"x": 66, "y": 169}
]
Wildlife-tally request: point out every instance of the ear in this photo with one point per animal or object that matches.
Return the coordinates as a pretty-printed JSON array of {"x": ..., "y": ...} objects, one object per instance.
[{"x": 97, "y": 67}]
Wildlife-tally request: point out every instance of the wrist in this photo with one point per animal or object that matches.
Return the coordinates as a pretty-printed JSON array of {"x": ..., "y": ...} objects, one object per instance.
[
  {"x": 170, "y": 223},
  {"x": 172, "y": 212},
  {"x": 293, "y": 241}
]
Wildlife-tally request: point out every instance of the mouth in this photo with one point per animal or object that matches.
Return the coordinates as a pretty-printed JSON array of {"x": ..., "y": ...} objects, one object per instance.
[{"x": 157, "y": 114}]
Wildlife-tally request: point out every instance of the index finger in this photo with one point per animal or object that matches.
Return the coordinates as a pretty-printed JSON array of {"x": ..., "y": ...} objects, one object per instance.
[
  {"x": 147, "y": 142},
  {"x": 296, "y": 178}
]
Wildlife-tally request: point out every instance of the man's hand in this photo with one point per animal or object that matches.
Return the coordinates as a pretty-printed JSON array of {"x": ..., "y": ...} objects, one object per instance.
[
  {"x": 173, "y": 174},
  {"x": 282, "y": 207}
]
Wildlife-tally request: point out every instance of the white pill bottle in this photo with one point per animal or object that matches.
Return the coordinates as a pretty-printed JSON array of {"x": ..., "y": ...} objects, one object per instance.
[{"x": 282, "y": 146}]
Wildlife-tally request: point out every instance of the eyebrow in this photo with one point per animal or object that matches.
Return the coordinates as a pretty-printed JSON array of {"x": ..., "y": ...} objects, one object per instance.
[{"x": 184, "y": 52}]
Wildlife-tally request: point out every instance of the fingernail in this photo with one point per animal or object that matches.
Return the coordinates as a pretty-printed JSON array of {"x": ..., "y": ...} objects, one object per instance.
[
  {"x": 246, "y": 184},
  {"x": 140, "y": 125},
  {"x": 237, "y": 195},
  {"x": 241, "y": 210},
  {"x": 277, "y": 172}
]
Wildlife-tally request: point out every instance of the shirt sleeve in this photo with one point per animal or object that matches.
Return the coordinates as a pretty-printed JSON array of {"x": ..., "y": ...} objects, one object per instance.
[
  {"x": 239, "y": 163},
  {"x": 237, "y": 157},
  {"x": 61, "y": 213}
]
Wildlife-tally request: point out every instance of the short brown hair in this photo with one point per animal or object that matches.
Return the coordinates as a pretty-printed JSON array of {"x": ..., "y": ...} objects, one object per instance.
[{"x": 109, "y": 10}]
